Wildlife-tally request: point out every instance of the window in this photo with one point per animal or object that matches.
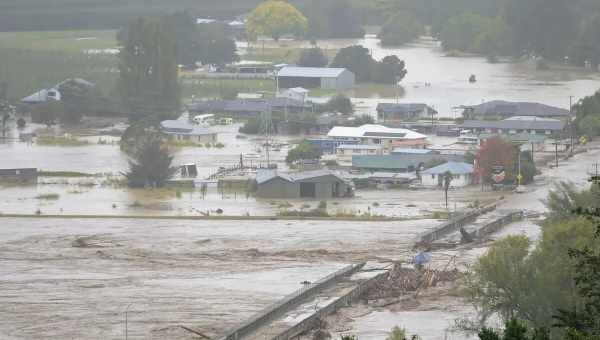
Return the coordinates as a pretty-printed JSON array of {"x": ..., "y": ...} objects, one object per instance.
[{"x": 432, "y": 176}]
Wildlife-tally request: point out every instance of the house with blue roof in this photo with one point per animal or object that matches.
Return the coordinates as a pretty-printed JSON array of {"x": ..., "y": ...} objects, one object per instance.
[{"x": 462, "y": 175}]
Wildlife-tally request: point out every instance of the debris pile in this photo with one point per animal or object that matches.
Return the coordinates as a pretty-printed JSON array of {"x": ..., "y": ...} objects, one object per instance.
[{"x": 401, "y": 281}]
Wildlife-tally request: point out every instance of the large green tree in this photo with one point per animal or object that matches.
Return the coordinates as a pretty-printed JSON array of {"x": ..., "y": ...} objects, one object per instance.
[
  {"x": 587, "y": 112},
  {"x": 206, "y": 43},
  {"x": 400, "y": 29},
  {"x": 148, "y": 79},
  {"x": 275, "y": 18}
]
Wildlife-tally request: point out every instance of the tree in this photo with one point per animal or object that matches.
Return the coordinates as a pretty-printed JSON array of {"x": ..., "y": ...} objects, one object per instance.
[
  {"x": 390, "y": 70},
  {"x": 587, "y": 112},
  {"x": 207, "y": 43},
  {"x": 333, "y": 19},
  {"x": 48, "y": 112},
  {"x": 312, "y": 57},
  {"x": 461, "y": 31},
  {"x": 356, "y": 59},
  {"x": 275, "y": 18},
  {"x": 77, "y": 99},
  {"x": 340, "y": 103},
  {"x": 447, "y": 178},
  {"x": 150, "y": 164},
  {"x": 304, "y": 150},
  {"x": 148, "y": 69},
  {"x": 528, "y": 169},
  {"x": 397, "y": 333},
  {"x": 496, "y": 152},
  {"x": 400, "y": 29},
  {"x": 514, "y": 330}
]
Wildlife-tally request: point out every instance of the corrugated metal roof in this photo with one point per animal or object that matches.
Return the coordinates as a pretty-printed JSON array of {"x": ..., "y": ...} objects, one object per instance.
[
  {"x": 397, "y": 162},
  {"x": 359, "y": 147},
  {"x": 517, "y": 109},
  {"x": 373, "y": 130},
  {"x": 456, "y": 168},
  {"x": 514, "y": 124},
  {"x": 413, "y": 151},
  {"x": 182, "y": 127},
  {"x": 403, "y": 107},
  {"x": 310, "y": 72},
  {"x": 263, "y": 176}
]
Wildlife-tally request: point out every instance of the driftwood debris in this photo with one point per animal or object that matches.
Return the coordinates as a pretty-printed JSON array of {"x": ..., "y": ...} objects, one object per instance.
[{"x": 401, "y": 281}]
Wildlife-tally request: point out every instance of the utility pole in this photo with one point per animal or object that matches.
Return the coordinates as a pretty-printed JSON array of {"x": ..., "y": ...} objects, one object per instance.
[
  {"x": 571, "y": 123},
  {"x": 126, "y": 310}
]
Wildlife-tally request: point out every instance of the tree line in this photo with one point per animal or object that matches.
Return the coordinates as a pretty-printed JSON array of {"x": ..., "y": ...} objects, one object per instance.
[{"x": 552, "y": 29}]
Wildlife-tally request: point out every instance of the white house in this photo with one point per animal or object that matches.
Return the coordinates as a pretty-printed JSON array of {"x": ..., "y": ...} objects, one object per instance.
[
  {"x": 371, "y": 134},
  {"x": 296, "y": 93},
  {"x": 462, "y": 175},
  {"x": 182, "y": 131}
]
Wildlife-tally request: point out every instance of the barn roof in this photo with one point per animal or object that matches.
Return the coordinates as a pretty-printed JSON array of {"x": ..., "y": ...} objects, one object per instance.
[{"x": 310, "y": 72}]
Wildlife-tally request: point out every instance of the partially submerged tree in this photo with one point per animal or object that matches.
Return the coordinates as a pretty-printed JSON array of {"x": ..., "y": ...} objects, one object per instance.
[
  {"x": 312, "y": 57},
  {"x": 303, "y": 151},
  {"x": 275, "y": 18},
  {"x": 150, "y": 163},
  {"x": 340, "y": 103},
  {"x": 390, "y": 70}
]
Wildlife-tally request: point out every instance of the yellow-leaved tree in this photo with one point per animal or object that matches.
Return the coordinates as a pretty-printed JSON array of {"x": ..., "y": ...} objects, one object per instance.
[{"x": 275, "y": 18}]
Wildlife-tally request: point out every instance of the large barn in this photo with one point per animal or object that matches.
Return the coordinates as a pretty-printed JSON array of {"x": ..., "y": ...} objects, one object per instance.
[{"x": 315, "y": 77}]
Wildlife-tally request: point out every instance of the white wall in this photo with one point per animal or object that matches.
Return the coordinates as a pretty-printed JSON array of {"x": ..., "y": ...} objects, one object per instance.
[{"x": 459, "y": 181}]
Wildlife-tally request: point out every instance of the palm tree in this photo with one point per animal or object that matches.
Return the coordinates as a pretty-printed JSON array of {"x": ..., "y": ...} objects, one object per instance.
[{"x": 447, "y": 177}]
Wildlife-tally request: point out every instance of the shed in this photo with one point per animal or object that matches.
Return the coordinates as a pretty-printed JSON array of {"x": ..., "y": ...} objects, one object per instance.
[
  {"x": 396, "y": 113},
  {"x": 462, "y": 174},
  {"x": 504, "y": 109},
  {"x": 19, "y": 175},
  {"x": 317, "y": 184},
  {"x": 315, "y": 77},
  {"x": 182, "y": 131}
]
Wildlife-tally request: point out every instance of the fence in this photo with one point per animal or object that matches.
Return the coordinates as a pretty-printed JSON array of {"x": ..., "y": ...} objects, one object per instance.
[{"x": 287, "y": 303}]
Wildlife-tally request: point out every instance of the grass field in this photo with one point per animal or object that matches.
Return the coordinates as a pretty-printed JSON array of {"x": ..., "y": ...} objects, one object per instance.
[{"x": 64, "y": 41}]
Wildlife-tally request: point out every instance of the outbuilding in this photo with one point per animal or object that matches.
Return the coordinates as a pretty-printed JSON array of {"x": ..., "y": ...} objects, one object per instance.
[
  {"x": 182, "y": 131},
  {"x": 315, "y": 77},
  {"x": 316, "y": 184},
  {"x": 462, "y": 175}
]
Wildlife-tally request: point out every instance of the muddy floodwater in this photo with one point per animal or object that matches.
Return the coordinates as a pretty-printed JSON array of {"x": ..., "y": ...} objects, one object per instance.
[
  {"x": 447, "y": 77},
  {"x": 76, "y": 278}
]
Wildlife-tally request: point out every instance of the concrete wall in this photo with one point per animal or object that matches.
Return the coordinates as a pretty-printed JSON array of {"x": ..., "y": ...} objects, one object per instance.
[
  {"x": 278, "y": 309},
  {"x": 458, "y": 181},
  {"x": 311, "y": 321},
  {"x": 453, "y": 225}
]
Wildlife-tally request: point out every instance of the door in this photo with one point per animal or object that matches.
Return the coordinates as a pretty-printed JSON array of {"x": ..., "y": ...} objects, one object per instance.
[{"x": 308, "y": 190}]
